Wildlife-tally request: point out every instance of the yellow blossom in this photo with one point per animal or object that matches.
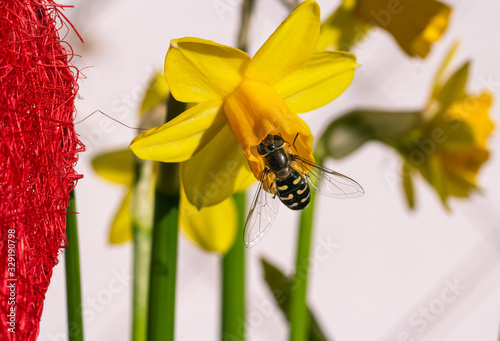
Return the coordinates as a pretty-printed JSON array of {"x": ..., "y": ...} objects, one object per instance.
[
  {"x": 450, "y": 147},
  {"x": 118, "y": 167},
  {"x": 462, "y": 166},
  {"x": 415, "y": 25},
  {"x": 241, "y": 101},
  {"x": 203, "y": 227}
]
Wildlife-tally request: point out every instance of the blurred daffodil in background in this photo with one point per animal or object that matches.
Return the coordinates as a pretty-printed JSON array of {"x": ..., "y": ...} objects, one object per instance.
[
  {"x": 415, "y": 25},
  {"x": 446, "y": 142},
  {"x": 212, "y": 228},
  {"x": 450, "y": 146},
  {"x": 241, "y": 101},
  {"x": 118, "y": 168}
]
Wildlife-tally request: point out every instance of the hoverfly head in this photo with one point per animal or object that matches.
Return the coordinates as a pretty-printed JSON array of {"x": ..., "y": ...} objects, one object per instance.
[{"x": 269, "y": 144}]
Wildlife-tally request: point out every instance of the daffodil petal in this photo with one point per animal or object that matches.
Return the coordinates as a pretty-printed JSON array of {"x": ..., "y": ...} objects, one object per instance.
[
  {"x": 116, "y": 166},
  {"x": 156, "y": 93},
  {"x": 289, "y": 46},
  {"x": 199, "y": 70},
  {"x": 342, "y": 29},
  {"x": 474, "y": 111},
  {"x": 121, "y": 228},
  {"x": 318, "y": 81},
  {"x": 465, "y": 165},
  {"x": 182, "y": 137},
  {"x": 415, "y": 26},
  {"x": 216, "y": 171},
  {"x": 213, "y": 228},
  {"x": 433, "y": 31}
]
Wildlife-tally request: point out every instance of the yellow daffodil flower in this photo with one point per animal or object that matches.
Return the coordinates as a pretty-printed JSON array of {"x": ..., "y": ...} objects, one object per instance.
[
  {"x": 203, "y": 227},
  {"x": 118, "y": 167},
  {"x": 462, "y": 166},
  {"x": 451, "y": 145},
  {"x": 241, "y": 101},
  {"x": 415, "y": 25}
]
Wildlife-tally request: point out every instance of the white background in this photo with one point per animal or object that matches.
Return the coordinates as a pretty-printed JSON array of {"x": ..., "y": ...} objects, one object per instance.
[{"x": 387, "y": 262}]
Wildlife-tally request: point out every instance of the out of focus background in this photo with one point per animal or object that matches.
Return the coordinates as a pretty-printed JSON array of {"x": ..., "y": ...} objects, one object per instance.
[{"x": 379, "y": 271}]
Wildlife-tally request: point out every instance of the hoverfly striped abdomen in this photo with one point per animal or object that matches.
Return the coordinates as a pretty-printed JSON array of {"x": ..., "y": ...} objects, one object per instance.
[{"x": 294, "y": 191}]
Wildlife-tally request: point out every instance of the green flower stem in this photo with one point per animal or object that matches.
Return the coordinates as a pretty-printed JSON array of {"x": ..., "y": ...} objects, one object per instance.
[
  {"x": 291, "y": 4},
  {"x": 161, "y": 312},
  {"x": 233, "y": 262},
  {"x": 299, "y": 313},
  {"x": 142, "y": 255},
  {"x": 233, "y": 281},
  {"x": 246, "y": 14},
  {"x": 73, "y": 286},
  {"x": 141, "y": 226}
]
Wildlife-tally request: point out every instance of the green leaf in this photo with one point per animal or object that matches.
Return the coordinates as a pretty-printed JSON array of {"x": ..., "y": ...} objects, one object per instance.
[
  {"x": 350, "y": 131},
  {"x": 279, "y": 285}
]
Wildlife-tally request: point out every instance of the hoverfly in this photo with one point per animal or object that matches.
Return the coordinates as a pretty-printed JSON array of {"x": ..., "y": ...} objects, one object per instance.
[{"x": 287, "y": 177}]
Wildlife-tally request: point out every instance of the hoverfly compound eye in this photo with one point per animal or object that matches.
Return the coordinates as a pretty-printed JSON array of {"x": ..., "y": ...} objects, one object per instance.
[
  {"x": 278, "y": 141},
  {"x": 268, "y": 140},
  {"x": 262, "y": 149}
]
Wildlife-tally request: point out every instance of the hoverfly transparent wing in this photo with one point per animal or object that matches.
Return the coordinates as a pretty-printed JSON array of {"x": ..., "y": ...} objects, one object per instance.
[
  {"x": 328, "y": 182},
  {"x": 262, "y": 213}
]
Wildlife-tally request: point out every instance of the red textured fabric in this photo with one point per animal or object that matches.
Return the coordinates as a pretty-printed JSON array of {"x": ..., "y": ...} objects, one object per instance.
[{"x": 38, "y": 150}]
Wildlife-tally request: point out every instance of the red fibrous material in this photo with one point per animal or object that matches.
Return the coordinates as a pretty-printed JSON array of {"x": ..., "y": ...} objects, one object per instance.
[{"x": 38, "y": 150}]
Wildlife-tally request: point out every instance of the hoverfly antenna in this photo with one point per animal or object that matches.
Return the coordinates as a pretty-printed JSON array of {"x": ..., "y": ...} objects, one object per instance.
[{"x": 293, "y": 144}]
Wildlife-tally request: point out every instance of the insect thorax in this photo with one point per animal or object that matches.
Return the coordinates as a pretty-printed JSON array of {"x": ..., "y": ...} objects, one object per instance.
[{"x": 279, "y": 163}]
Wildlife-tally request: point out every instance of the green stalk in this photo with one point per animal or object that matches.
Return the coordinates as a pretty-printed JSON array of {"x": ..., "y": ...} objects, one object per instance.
[
  {"x": 233, "y": 262},
  {"x": 162, "y": 285},
  {"x": 142, "y": 221},
  {"x": 140, "y": 282},
  {"x": 298, "y": 311},
  {"x": 233, "y": 281},
  {"x": 161, "y": 315},
  {"x": 73, "y": 286},
  {"x": 246, "y": 14}
]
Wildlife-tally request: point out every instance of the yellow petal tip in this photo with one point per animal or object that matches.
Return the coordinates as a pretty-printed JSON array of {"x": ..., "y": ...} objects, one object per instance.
[{"x": 173, "y": 44}]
